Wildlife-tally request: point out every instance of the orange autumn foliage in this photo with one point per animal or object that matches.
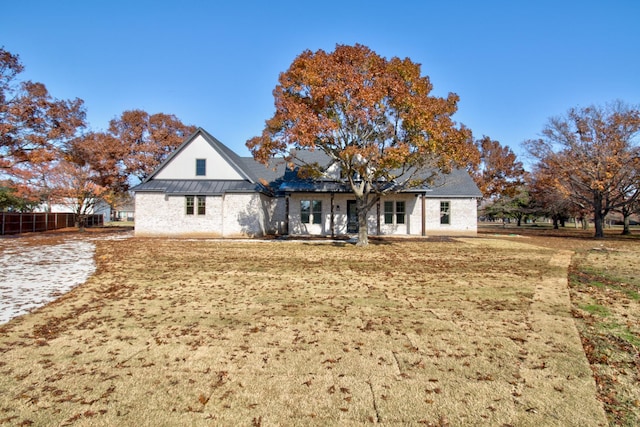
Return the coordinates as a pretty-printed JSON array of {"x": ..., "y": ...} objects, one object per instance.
[{"x": 374, "y": 117}]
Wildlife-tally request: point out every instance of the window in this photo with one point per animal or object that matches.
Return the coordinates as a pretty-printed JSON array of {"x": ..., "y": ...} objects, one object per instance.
[
  {"x": 189, "y": 201},
  {"x": 389, "y": 212},
  {"x": 202, "y": 205},
  {"x": 311, "y": 211},
  {"x": 400, "y": 212},
  {"x": 191, "y": 204},
  {"x": 445, "y": 213},
  {"x": 201, "y": 167}
]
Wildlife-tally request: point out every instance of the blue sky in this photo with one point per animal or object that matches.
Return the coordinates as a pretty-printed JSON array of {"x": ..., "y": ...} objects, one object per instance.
[{"x": 214, "y": 64}]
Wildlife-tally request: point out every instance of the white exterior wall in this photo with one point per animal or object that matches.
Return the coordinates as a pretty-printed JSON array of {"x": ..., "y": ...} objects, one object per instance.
[
  {"x": 297, "y": 227},
  {"x": 412, "y": 222},
  {"x": 275, "y": 215},
  {"x": 231, "y": 215},
  {"x": 255, "y": 215},
  {"x": 463, "y": 217},
  {"x": 183, "y": 166}
]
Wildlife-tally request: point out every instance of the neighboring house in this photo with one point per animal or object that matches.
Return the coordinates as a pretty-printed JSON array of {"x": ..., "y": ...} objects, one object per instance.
[
  {"x": 123, "y": 211},
  {"x": 204, "y": 189}
]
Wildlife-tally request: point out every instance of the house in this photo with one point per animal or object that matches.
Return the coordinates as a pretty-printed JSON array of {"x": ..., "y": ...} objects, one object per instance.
[
  {"x": 204, "y": 189},
  {"x": 121, "y": 210}
]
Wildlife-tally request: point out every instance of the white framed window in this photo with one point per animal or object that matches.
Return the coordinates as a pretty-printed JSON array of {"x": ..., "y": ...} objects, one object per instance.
[
  {"x": 311, "y": 211},
  {"x": 445, "y": 213},
  {"x": 394, "y": 212}
]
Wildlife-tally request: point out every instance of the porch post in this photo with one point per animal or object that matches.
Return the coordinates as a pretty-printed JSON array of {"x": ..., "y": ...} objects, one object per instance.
[
  {"x": 286, "y": 214},
  {"x": 378, "y": 217},
  {"x": 424, "y": 215},
  {"x": 331, "y": 220}
]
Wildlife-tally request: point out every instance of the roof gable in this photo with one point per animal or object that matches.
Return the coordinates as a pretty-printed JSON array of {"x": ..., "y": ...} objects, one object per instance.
[{"x": 221, "y": 162}]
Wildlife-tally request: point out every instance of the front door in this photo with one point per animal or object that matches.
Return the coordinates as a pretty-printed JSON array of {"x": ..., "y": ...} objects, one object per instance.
[{"x": 352, "y": 216}]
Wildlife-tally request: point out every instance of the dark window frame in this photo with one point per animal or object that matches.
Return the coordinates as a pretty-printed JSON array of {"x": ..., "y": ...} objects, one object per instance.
[
  {"x": 189, "y": 205},
  {"x": 401, "y": 211},
  {"x": 202, "y": 205},
  {"x": 201, "y": 167},
  {"x": 445, "y": 213}
]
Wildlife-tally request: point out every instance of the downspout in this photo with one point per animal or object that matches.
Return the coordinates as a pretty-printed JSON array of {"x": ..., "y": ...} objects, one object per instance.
[
  {"x": 424, "y": 215},
  {"x": 222, "y": 215}
]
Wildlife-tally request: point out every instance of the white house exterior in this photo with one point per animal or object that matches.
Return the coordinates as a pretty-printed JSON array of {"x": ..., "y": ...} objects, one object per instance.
[{"x": 206, "y": 190}]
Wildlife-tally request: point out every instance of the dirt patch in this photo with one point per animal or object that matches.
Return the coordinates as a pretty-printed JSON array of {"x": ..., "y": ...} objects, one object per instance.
[{"x": 471, "y": 332}]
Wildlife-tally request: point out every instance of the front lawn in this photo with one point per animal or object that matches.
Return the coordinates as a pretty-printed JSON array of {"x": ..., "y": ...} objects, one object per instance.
[{"x": 473, "y": 331}]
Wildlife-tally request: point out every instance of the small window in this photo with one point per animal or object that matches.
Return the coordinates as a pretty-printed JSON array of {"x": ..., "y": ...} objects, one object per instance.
[
  {"x": 400, "y": 212},
  {"x": 305, "y": 211},
  {"x": 202, "y": 205},
  {"x": 311, "y": 211},
  {"x": 189, "y": 203},
  {"x": 445, "y": 213},
  {"x": 316, "y": 211},
  {"x": 201, "y": 167},
  {"x": 388, "y": 212}
]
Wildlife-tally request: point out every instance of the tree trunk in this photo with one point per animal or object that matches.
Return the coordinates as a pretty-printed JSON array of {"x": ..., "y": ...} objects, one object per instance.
[
  {"x": 81, "y": 221},
  {"x": 363, "y": 229},
  {"x": 555, "y": 222},
  {"x": 626, "y": 230},
  {"x": 598, "y": 216}
]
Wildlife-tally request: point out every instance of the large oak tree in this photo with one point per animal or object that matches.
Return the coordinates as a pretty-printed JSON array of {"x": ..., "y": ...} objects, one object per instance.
[
  {"x": 374, "y": 117},
  {"x": 499, "y": 172},
  {"x": 33, "y": 126},
  {"x": 148, "y": 139},
  {"x": 593, "y": 155}
]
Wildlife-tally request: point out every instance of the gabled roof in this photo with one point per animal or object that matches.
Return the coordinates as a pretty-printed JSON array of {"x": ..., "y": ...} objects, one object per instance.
[
  {"x": 235, "y": 161},
  {"x": 278, "y": 178}
]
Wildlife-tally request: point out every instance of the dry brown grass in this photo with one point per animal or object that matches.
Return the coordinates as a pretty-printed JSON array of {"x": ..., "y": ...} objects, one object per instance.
[
  {"x": 605, "y": 289},
  {"x": 169, "y": 332}
]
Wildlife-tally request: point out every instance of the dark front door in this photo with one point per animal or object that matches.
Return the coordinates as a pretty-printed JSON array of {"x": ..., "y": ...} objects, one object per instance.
[{"x": 352, "y": 216}]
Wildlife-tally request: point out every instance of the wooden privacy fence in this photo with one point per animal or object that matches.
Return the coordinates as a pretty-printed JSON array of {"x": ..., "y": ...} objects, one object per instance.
[{"x": 15, "y": 223}]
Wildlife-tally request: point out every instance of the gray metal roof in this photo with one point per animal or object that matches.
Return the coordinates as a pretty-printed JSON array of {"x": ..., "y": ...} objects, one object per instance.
[
  {"x": 184, "y": 187},
  {"x": 277, "y": 178},
  {"x": 456, "y": 184}
]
